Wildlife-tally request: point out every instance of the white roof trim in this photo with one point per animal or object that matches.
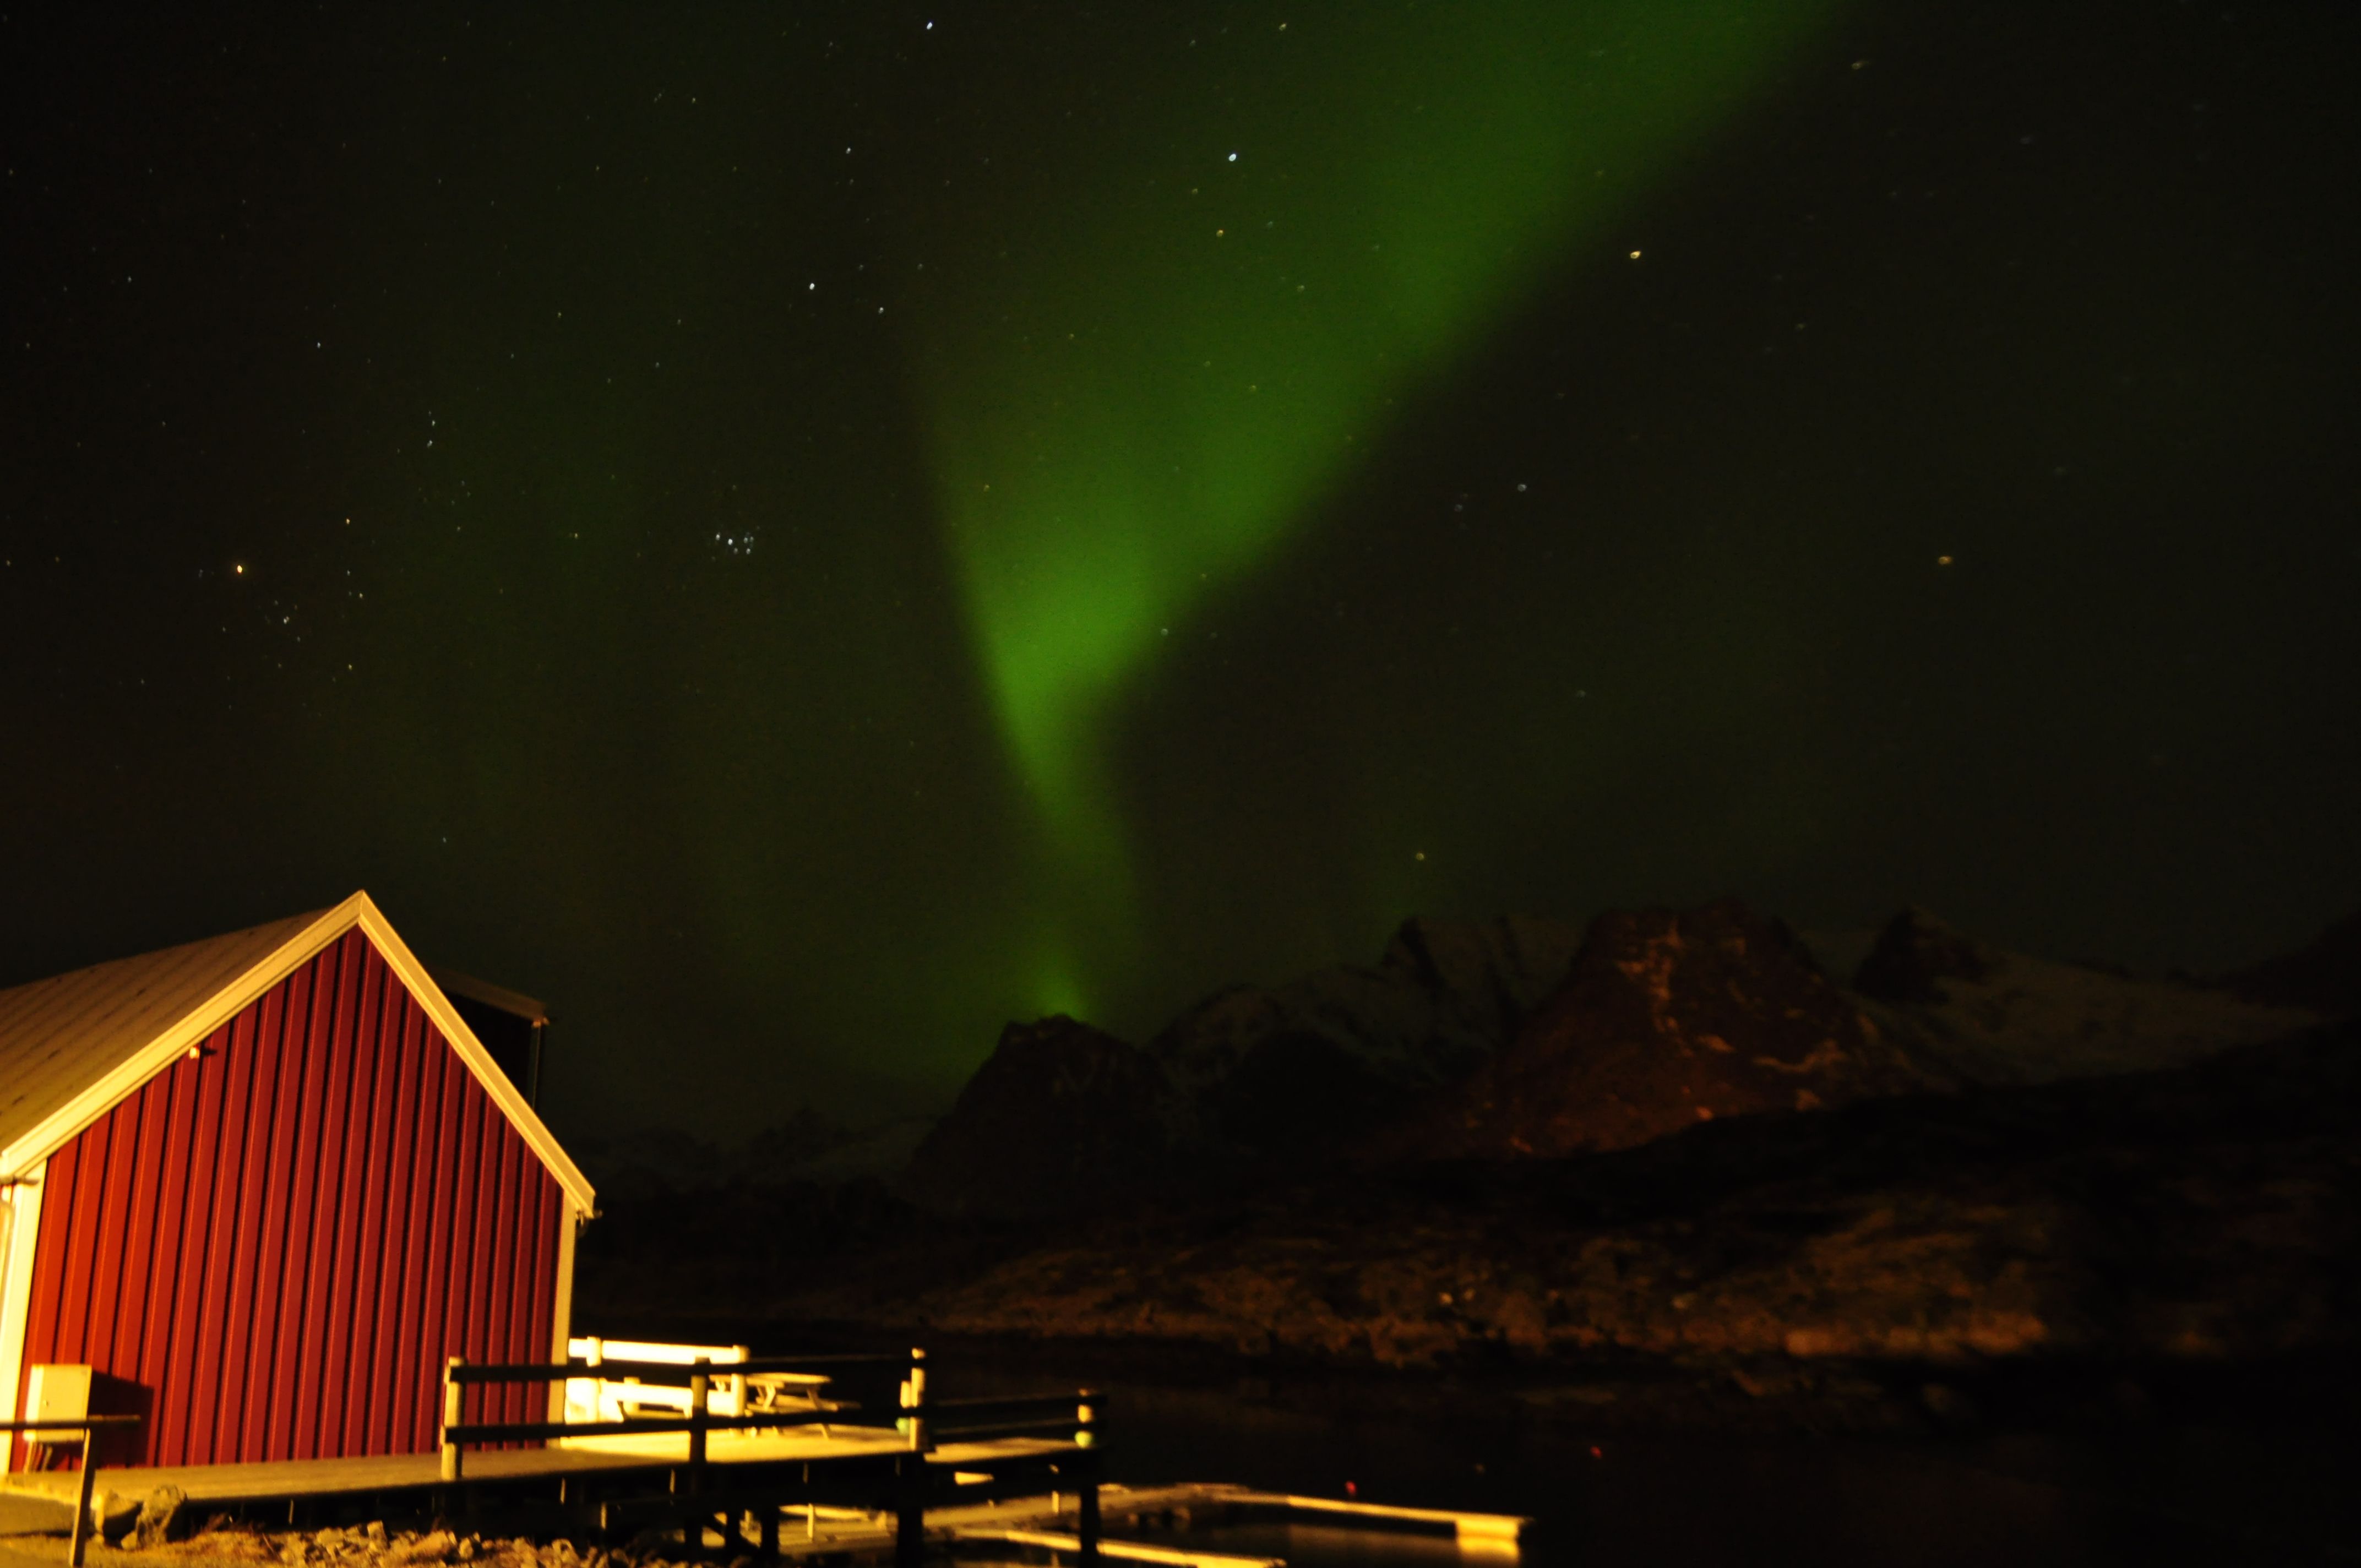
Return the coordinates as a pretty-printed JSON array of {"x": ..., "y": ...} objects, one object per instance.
[
  {"x": 529, "y": 1125},
  {"x": 194, "y": 1027}
]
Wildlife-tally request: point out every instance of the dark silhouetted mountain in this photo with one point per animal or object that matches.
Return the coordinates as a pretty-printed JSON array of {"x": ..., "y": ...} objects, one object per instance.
[
  {"x": 1967, "y": 1012},
  {"x": 2324, "y": 976},
  {"x": 1283, "y": 1073},
  {"x": 880, "y": 1153},
  {"x": 643, "y": 1162},
  {"x": 1667, "y": 1018},
  {"x": 1249, "y": 1082},
  {"x": 1913, "y": 954},
  {"x": 809, "y": 1145},
  {"x": 1499, "y": 1038},
  {"x": 1060, "y": 1115}
]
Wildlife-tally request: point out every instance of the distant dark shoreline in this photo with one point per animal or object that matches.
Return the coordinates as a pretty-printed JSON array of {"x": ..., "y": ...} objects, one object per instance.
[{"x": 2096, "y": 1397}]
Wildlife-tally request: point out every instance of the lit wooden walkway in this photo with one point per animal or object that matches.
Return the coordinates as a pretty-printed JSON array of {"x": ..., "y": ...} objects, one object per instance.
[
  {"x": 290, "y": 1478},
  {"x": 1464, "y": 1525},
  {"x": 1046, "y": 1522}
]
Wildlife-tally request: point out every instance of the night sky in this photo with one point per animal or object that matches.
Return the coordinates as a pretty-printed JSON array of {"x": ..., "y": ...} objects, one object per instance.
[{"x": 800, "y": 532}]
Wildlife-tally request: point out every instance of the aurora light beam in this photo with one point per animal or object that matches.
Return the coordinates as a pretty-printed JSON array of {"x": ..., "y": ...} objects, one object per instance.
[{"x": 1213, "y": 308}]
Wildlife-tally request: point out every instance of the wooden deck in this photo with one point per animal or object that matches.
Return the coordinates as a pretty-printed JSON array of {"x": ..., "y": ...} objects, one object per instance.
[
  {"x": 1041, "y": 1521},
  {"x": 290, "y": 1478},
  {"x": 315, "y": 1478}
]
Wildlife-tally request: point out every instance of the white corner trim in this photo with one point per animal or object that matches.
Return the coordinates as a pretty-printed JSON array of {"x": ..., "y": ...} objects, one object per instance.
[
  {"x": 103, "y": 1095},
  {"x": 561, "y": 1315},
  {"x": 20, "y": 1233}
]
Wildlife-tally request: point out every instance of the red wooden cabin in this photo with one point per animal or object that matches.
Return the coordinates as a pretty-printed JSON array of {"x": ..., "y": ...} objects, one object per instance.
[{"x": 263, "y": 1185}]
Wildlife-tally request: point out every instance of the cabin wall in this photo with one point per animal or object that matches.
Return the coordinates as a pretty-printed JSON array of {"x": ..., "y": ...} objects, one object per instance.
[{"x": 271, "y": 1245}]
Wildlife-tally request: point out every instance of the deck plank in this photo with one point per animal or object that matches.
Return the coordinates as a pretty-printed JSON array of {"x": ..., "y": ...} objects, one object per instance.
[{"x": 287, "y": 1478}]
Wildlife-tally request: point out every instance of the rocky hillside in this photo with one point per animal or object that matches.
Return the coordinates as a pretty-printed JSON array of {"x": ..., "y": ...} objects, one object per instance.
[
  {"x": 2207, "y": 1214},
  {"x": 1665, "y": 1019}
]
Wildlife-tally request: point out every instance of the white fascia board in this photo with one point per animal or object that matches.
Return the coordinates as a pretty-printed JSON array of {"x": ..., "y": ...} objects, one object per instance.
[
  {"x": 504, "y": 1095},
  {"x": 194, "y": 1027}
]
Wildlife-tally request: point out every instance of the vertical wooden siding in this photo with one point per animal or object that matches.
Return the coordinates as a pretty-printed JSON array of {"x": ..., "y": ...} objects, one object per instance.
[{"x": 280, "y": 1240}]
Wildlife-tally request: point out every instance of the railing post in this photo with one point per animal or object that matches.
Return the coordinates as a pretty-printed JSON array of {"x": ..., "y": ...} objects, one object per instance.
[
  {"x": 910, "y": 1502},
  {"x": 595, "y": 1358},
  {"x": 451, "y": 1387},
  {"x": 913, "y": 1401},
  {"x": 1086, "y": 1437},
  {"x": 701, "y": 1384},
  {"x": 1086, "y": 1522},
  {"x": 82, "y": 1531}
]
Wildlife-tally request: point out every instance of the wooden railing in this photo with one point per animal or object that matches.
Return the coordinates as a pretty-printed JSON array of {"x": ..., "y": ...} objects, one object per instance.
[
  {"x": 697, "y": 1375},
  {"x": 924, "y": 1424},
  {"x": 88, "y": 1426},
  {"x": 1016, "y": 1416}
]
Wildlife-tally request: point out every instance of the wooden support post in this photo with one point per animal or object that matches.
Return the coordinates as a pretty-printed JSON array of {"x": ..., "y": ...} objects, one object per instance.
[
  {"x": 451, "y": 1387},
  {"x": 700, "y": 1383},
  {"x": 768, "y": 1545},
  {"x": 1086, "y": 1523},
  {"x": 82, "y": 1531},
  {"x": 911, "y": 1514}
]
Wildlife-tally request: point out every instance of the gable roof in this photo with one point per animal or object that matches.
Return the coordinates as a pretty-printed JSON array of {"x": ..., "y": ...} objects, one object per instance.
[
  {"x": 74, "y": 1045},
  {"x": 60, "y": 1035}
]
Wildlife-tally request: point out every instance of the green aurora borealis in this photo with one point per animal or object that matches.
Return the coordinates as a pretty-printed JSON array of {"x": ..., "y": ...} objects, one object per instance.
[
  {"x": 1226, "y": 301},
  {"x": 801, "y": 532}
]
